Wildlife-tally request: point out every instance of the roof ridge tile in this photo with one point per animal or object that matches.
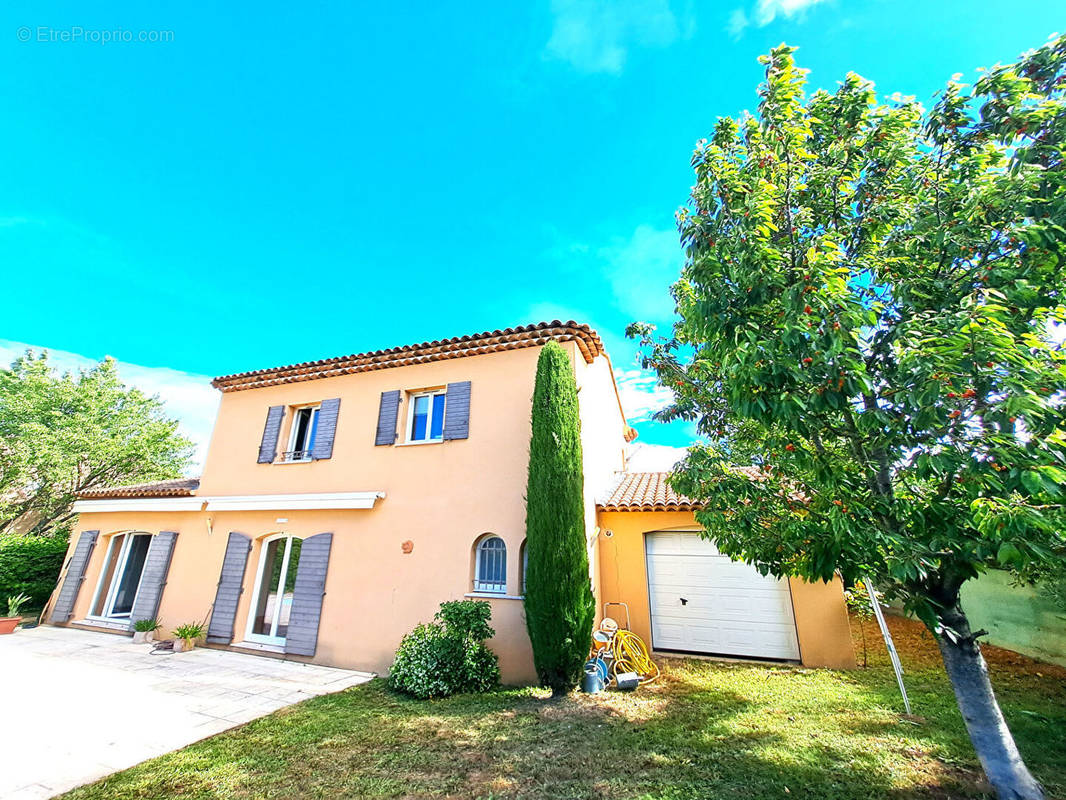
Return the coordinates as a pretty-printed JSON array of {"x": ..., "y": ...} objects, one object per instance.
[{"x": 588, "y": 343}]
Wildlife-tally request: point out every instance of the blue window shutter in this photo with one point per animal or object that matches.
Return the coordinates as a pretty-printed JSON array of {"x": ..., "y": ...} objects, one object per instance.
[
  {"x": 79, "y": 560},
  {"x": 230, "y": 586},
  {"x": 388, "y": 412},
  {"x": 457, "y": 411},
  {"x": 153, "y": 577},
  {"x": 268, "y": 447},
  {"x": 302, "y": 636},
  {"x": 327, "y": 428}
]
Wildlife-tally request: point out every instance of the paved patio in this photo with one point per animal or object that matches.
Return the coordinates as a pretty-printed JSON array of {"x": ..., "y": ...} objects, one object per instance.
[{"x": 79, "y": 705}]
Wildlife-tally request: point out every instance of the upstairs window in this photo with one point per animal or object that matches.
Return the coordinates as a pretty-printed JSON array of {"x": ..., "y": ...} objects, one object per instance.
[
  {"x": 426, "y": 416},
  {"x": 302, "y": 435},
  {"x": 490, "y": 568}
]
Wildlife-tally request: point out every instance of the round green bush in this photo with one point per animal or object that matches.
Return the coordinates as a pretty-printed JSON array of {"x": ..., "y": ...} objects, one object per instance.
[
  {"x": 30, "y": 565},
  {"x": 447, "y": 656}
]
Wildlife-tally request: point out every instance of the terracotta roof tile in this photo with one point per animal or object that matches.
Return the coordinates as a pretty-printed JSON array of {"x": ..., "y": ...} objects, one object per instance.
[
  {"x": 648, "y": 491},
  {"x": 644, "y": 491},
  {"x": 179, "y": 487},
  {"x": 588, "y": 343}
]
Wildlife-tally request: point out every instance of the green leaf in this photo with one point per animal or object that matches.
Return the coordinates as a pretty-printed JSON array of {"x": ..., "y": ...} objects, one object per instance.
[{"x": 1009, "y": 555}]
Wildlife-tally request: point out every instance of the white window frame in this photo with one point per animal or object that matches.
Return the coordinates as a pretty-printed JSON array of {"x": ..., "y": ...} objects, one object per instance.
[
  {"x": 260, "y": 638},
  {"x": 411, "y": 397},
  {"x": 294, "y": 427},
  {"x": 116, "y": 578},
  {"x": 484, "y": 587},
  {"x": 523, "y": 557}
]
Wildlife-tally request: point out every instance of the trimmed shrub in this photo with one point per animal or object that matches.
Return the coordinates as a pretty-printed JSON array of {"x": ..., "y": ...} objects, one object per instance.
[
  {"x": 467, "y": 617},
  {"x": 30, "y": 565},
  {"x": 448, "y": 656},
  {"x": 559, "y": 604}
]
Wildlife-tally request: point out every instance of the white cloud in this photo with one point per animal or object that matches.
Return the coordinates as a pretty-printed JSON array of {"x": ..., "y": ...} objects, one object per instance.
[
  {"x": 188, "y": 397},
  {"x": 654, "y": 458},
  {"x": 641, "y": 270},
  {"x": 765, "y": 12},
  {"x": 638, "y": 268},
  {"x": 641, "y": 394},
  {"x": 595, "y": 35},
  {"x": 738, "y": 21},
  {"x": 1057, "y": 332}
]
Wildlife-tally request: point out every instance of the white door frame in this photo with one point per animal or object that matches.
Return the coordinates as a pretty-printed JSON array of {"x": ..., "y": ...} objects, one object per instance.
[
  {"x": 272, "y": 638},
  {"x": 116, "y": 577}
]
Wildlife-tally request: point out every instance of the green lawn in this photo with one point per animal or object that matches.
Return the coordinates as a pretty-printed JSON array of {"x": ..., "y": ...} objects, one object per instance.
[{"x": 708, "y": 729}]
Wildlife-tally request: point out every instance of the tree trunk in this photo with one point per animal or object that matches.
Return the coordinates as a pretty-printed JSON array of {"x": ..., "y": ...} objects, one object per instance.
[{"x": 988, "y": 730}]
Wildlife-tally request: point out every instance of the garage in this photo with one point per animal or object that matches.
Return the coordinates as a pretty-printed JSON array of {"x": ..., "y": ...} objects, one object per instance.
[{"x": 704, "y": 602}]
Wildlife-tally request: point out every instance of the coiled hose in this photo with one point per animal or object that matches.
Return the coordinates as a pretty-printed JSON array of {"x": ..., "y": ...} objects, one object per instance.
[{"x": 631, "y": 655}]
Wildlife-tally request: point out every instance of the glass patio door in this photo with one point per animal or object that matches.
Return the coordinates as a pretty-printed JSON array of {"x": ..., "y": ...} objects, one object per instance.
[
  {"x": 275, "y": 580},
  {"x": 121, "y": 576}
]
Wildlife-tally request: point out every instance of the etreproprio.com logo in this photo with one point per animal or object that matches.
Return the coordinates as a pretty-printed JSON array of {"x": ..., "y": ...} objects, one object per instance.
[{"x": 77, "y": 34}]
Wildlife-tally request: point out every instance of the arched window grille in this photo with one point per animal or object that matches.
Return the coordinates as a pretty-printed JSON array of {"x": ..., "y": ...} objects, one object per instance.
[
  {"x": 490, "y": 569},
  {"x": 523, "y": 555}
]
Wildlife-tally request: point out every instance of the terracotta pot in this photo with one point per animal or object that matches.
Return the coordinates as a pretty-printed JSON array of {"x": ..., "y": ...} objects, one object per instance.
[
  {"x": 184, "y": 645},
  {"x": 8, "y": 624}
]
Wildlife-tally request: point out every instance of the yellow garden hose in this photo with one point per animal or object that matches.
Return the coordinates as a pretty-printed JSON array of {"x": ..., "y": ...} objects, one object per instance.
[{"x": 630, "y": 655}]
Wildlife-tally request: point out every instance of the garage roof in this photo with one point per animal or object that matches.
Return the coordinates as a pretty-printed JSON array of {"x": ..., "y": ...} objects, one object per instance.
[
  {"x": 644, "y": 491},
  {"x": 648, "y": 491}
]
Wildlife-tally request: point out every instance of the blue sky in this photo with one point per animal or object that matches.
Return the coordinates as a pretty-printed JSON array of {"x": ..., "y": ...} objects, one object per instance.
[{"x": 301, "y": 182}]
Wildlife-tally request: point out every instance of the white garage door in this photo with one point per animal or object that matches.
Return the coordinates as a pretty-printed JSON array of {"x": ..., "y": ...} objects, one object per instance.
[{"x": 704, "y": 602}]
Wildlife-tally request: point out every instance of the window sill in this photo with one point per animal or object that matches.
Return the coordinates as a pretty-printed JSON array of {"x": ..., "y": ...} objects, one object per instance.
[
  {"x": 108, "y": 624},
  {"x": 415, "y": 444},
  {"x": 268, "y": 648},
  {"x": 494, "y": 596},
  {"x": 297, "y": 461}
]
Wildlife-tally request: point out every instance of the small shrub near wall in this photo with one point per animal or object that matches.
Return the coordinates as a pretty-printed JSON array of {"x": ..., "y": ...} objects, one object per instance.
[
  {"x": 30, "y": 565},
  {"x": 448, "y": 656}
]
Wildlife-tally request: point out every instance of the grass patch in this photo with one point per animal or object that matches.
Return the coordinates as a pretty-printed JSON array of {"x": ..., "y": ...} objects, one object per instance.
[{"x": 706, "y": 730}]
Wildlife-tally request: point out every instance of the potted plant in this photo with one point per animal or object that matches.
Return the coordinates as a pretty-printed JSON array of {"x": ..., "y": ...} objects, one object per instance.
[
  {"x": 185, "y": 636},
  {"x": 144, "y": 630},
  {"x": 13, "y": 618}
]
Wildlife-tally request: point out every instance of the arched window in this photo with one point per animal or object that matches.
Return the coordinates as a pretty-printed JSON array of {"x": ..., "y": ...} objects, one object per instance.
[
  {"x": 490, "y": 567},
  {"x": 523, "y": 557}
]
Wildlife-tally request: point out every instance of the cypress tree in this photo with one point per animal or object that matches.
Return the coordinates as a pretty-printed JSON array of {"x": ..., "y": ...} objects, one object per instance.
[{"x": 558, "y": 597}]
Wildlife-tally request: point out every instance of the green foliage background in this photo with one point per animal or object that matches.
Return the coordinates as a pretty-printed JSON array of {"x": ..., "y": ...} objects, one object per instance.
[
  {"x": 873, "y": 299},
  {"x": 866, "y": 313},
  {"x": 63, "y": 434},
  {"x": 30, "y": 565}
]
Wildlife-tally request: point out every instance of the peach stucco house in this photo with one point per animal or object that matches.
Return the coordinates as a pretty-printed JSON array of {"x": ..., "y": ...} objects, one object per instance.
[{"x": 343, "y": 500}]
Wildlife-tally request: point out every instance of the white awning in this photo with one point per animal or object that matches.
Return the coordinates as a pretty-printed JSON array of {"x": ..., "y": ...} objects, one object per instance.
[{"x": 248, "y": 502}]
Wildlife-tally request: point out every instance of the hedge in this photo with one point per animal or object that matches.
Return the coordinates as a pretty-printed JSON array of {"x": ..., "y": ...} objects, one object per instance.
[{"x": 30, "y": 564}]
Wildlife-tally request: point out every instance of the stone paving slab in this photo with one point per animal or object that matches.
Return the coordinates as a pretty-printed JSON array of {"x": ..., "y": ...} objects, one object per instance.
[{"x": 82, "y": 704}]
